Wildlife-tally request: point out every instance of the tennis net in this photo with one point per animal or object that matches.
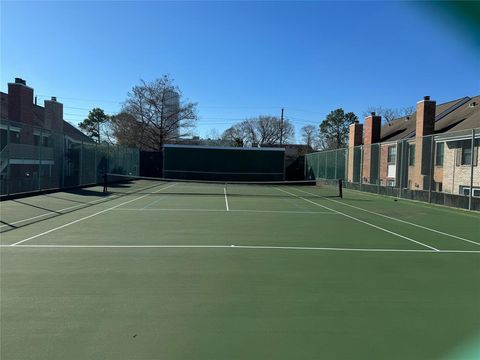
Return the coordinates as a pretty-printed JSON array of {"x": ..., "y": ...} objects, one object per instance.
[{"x": 126, "y": 184}]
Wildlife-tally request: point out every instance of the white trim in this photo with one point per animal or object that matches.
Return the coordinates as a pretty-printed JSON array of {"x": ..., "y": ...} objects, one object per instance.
[
  {"x": 248, "y": 247},
  {"x": 12, "y": 128},
  {"x": 31, "y": 162},
  {"x": 223, "y": 147}
]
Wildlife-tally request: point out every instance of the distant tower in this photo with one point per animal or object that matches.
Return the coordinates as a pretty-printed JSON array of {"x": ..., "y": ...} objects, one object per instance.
[{"x": 171, "y": 108}]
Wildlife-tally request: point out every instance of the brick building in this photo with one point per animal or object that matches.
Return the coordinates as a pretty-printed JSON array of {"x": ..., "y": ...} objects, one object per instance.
[
  {"x": 33, "y": 141},
  {"x": 436, "y": 139}
]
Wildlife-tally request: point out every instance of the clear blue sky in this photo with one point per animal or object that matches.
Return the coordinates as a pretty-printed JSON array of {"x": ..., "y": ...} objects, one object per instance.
[{"x": 239, "y": 59}]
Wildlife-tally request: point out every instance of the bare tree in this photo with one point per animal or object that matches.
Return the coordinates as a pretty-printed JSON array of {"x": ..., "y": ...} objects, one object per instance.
[
  {"x": 261, "y": 131},
  {"x": 310, "y": 135},
  {"x": 213, "y": 134},
  {"x": 153, "y": 115},
  {"x": 234, "y": 135},
  {"x": 389, "y": 114}
]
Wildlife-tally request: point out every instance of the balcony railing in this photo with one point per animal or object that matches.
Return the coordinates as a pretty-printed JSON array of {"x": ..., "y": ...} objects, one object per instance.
[{"x": 25, "y": 154}]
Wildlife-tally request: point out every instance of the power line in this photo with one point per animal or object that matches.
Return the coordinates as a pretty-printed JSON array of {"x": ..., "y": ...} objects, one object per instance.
[
  {"x": 119, "y": 102},
  {"x": 80, "y": 99}
]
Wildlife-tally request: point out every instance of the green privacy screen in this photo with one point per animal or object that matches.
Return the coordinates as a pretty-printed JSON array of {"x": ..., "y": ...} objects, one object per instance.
[
  {"x": 223, "y": 163},
  {"x": 326, "y": 165}
]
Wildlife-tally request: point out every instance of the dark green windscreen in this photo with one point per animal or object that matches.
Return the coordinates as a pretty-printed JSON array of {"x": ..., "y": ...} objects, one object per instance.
[{"x": 230, "y": 164}]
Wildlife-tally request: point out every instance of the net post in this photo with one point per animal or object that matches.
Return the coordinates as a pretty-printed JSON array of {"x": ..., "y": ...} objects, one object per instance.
[
  {"x": 340, "y": 188},
  {"x": 105, "y": 182}
]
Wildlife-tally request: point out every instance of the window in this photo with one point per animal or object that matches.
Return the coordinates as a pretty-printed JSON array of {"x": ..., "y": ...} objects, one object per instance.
[
  {"x": 392, "y": 154},
  {"x": 464, "y": 154},
  {"x": 390, "y": 182},
  {"x": 465, "y": 190},
  {"x": 438, "y": 186},
  {"x": 439, "y": 154},
  {"x": 411, "y": 154},
  {"x": 14, "y": 136}
]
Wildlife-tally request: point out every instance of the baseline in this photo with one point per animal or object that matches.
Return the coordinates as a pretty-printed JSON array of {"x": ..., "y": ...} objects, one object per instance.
[{"x": 259, "y": 247}]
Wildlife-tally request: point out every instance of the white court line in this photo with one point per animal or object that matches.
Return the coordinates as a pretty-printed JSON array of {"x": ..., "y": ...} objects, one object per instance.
[
  {"x": 392, "y": 218},
  {"x": 226, "y": 199},
  {"x": 232, "y": 210},
  {"x": 253, "y": 247},
  {"x": 57, "y": 211},
  {"x": 86, "y": 217},
  {"x": 361, "y": 221}
]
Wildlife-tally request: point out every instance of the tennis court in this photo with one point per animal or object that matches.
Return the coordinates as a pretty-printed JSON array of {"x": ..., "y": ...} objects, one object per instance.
[{"x": 173, "y": 270}]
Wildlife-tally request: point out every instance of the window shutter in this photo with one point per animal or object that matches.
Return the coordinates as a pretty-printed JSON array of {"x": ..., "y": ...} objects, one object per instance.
[
  {"x": 475, "y": 156},
  {"x": 458, "y": 156}
]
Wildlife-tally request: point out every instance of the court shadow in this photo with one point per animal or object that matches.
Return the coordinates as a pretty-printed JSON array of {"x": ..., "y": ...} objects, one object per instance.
[
  {"x": 51, "y": 213},
  {"x": 35, "y": 206},
  {"x": 79, "y": 192},
  {"x": 4, "y": 223}
]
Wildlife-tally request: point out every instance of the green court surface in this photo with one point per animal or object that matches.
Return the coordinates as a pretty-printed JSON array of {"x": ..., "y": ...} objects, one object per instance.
[{"x": 185, "y": 271}]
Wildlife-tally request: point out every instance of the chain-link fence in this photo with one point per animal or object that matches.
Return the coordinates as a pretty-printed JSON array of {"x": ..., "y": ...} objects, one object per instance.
[
  {"x": 33, "y": 159},
  {"x": 440, "y": 169}
]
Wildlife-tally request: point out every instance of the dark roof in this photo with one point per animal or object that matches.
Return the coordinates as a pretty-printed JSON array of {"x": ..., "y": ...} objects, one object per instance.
[
  {"x": 451, "y": 116},
  {"x": 74, "y": 133}
]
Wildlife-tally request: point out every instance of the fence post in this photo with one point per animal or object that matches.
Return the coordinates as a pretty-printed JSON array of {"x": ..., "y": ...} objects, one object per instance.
[
  {"x": 64, "y": 162},
  {"x": 326, "y": 166},
  {"x": 401, "y": 172},
  {"x": 432, "y": 168},
  {"x": 80, "y": 165},
  {"x": 336, "y": 161},
  {"x": 379, "y": 172},
  {"x": 95, "y": 164},
  {"x": 361, "y": 166},
  {"x": 472, "y": 147},
  {"x": 8, "y": 160},
  {"x": 39, "y": 186}
]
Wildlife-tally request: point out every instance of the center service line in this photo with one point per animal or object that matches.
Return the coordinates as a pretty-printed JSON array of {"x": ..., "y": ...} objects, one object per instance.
[{"x": 226, "y": 199}]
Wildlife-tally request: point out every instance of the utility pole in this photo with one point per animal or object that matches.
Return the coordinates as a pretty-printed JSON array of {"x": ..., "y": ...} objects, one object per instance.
[{"x": 281, "y": 128}]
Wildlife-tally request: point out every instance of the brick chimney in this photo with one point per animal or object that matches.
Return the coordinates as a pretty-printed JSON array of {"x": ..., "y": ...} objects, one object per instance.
[
  {"x": 355, "y": 138},
  {"x": 425, "y": 125},
  {"x": 372, "y": 126},
  {"x": 20, "y": 102},
  {"x": 425, "y": 117},
  {"x": 355, "y": 134},
  {"x": 54, "y": 115}
]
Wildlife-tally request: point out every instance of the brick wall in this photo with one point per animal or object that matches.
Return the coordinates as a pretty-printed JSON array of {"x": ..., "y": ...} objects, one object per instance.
[{"x": 456, "y": 175}]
